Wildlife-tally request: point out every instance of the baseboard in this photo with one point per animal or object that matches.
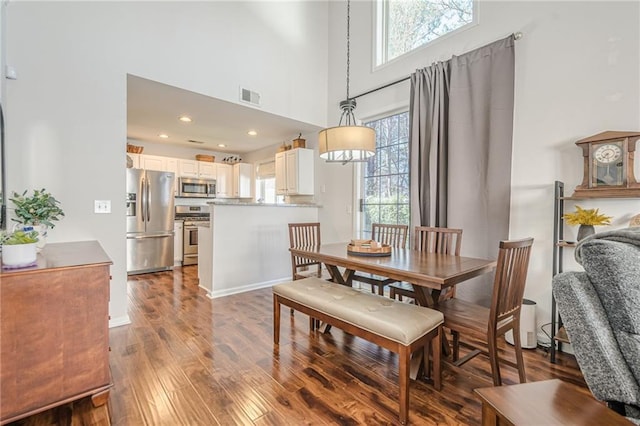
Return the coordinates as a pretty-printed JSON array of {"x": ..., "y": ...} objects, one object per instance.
[
  {"x": 228, "y": 292},
  {"x": 117, "y": 322}
]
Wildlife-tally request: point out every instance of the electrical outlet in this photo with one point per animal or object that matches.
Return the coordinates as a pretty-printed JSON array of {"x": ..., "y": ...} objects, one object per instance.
[{"x": 102, "y": 206}]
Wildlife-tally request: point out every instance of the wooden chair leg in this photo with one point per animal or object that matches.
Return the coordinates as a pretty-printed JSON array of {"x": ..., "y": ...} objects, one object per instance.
[
  {"x": 276, "y": 320},
  {"x": 493, "y": 359},
  {"x": 517, "y": 346},
  {"x": 456, "y": 345},
  {"x": 312, "y": 324},
  {"x": 404, "y": 361}
]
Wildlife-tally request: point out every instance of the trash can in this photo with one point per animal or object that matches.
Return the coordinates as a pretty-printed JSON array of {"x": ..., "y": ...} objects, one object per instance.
[{"x": 528, "y": 335}]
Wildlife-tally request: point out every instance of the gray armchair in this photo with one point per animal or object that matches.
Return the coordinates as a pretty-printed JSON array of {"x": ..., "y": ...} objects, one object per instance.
[{"x": 600, "y": 308}]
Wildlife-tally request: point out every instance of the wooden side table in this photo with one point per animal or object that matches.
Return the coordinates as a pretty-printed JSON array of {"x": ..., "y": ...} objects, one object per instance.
[{"x": 550, "y": 402}]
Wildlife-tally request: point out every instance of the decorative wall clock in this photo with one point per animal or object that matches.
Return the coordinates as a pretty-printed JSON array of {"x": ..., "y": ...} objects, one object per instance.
[{"x": 608, "y": 166}]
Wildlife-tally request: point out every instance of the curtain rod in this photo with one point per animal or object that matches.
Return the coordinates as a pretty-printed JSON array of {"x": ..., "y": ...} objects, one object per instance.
[{"x": 516, "y": 36}]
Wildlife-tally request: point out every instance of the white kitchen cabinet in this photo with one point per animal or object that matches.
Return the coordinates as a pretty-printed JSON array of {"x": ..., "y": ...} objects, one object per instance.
[
  {"x": 224, "y": 180},
  {"x": 294, "y": 172},
  {"x": 172, "y": 166},
  {"x": 153, "y": 162},
  {"x": 135, "y": 160},
  {"x": 188, "y": 168},
  {"x": 207, "y": 170},
  {"x": 178, "y": 230},
  {"x": 243, "y": 180}
]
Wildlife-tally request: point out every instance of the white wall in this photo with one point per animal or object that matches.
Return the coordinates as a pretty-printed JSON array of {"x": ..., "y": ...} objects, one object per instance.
[
  {"x": 577, "y": 74},
  {"x": 66, "y": 113}
]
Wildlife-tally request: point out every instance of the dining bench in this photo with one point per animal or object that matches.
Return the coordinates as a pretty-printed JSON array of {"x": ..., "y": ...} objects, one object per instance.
[{"x": 399, "y": 327}]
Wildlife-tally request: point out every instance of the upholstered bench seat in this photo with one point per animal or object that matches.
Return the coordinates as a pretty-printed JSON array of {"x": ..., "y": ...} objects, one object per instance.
[{"x": 399, "y": 327}]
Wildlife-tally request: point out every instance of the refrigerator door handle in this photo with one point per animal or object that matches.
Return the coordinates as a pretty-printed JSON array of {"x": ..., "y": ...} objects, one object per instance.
[
  {"x": 143, "y": 237},
  {"x": 143, "y": 200},
  {"x": 148, "y": 201}
]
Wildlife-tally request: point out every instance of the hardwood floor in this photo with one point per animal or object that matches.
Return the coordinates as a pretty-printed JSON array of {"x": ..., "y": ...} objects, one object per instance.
[{"x": 189, "y": 360}]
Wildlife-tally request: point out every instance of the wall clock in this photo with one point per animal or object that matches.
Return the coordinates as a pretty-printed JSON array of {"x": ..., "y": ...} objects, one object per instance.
[{"x": 608, "y": 165}]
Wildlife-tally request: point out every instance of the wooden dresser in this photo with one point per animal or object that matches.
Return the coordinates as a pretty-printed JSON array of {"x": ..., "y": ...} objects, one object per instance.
[{"x": 54, "y": 330}]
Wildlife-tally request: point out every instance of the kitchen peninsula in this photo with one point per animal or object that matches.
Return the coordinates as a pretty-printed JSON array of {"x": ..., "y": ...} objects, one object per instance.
[{"x": 246, "y": 246}]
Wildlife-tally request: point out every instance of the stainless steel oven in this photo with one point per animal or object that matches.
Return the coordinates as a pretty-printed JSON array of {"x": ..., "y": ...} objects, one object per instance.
[{"x": 194, "y": 217}]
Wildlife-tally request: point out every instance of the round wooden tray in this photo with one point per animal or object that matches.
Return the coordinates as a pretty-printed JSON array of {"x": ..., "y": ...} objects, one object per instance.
[{"x": 358, "y": 250}]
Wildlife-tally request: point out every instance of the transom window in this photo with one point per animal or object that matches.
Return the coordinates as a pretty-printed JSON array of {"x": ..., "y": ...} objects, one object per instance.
[
  {"x": 405, "y": 25},
  {"x": 384, "y": 192}
]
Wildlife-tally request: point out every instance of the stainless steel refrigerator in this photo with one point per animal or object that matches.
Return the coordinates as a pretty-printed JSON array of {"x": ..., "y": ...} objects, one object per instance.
[{"x": 149, "y": 220}]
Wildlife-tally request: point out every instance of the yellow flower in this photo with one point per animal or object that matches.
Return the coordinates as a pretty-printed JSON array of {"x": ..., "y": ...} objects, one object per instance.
[{"x": 586, "y": 217}]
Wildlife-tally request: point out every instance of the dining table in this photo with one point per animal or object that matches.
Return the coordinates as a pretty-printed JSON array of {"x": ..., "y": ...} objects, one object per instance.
[{"x": 428, "y": 273}]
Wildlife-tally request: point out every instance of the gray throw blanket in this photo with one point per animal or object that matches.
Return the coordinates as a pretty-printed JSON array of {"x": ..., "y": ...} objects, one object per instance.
[{"x": 625, "y": 235}]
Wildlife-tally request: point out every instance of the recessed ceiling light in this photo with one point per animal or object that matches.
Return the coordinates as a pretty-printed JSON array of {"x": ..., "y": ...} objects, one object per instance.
[
  {"x": 185, "y": 118},
  {"x": 163, "y": 135},
  {"x": 221, "y": 145},
  {"x": 252, "y": 133}
]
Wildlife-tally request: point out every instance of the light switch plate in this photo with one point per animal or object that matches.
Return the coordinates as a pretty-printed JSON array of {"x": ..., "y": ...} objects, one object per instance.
[{"x": 102, "y": 206}]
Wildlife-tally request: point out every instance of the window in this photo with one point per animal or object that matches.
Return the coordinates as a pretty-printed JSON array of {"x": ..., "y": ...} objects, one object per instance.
[
  {"x": 384, "y": 194},
  {"x": 405, "y": 25},
  {"x": 266, "y": 183}
]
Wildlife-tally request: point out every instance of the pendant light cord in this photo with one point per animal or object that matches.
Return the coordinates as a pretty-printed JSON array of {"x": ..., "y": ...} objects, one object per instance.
[{"x": 348, "y": 43}]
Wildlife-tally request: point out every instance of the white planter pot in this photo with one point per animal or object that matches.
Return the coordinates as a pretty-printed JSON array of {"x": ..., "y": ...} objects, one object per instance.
[{"x": 19, "y": 254}]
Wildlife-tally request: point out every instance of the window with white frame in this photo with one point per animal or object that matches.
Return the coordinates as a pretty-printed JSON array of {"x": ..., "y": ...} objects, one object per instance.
[
  {"x": 405, "y": 25},
  {"x": 266, "y": 183},
  {"x": 384, "y": 192}
]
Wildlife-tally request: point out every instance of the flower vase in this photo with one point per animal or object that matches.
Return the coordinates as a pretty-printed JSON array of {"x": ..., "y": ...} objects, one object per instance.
[{"x": 584, "y": 231}]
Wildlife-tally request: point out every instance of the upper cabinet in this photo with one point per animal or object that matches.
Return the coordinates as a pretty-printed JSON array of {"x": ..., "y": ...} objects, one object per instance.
[
  {"x": 153, "y": 162},
  {"x": 243, "y": 180},
  {"x": 294, "y": 172},
  {"x": 224, "y": 180},
  {"x": 207, "y": 170},
  {"x": 188, "y": 168}
]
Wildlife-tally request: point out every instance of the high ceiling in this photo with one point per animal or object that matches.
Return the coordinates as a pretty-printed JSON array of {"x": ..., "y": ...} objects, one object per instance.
[{"x": 154, "y": 108}]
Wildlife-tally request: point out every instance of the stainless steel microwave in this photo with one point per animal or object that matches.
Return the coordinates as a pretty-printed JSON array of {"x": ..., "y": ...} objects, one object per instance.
[{"x": 197, "y": 188}]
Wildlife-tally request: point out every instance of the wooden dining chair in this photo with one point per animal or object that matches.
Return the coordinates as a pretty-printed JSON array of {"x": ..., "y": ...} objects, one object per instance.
[
  {"x": 391, "y": 235},
  {"x": 431, "y": 240},
  {"x": 304, "y": 235},
  {"x": 487, "y": 324}
]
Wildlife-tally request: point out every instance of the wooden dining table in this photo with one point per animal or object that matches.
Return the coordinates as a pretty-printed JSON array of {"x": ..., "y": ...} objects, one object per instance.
[{"x": 428, "y": 273}]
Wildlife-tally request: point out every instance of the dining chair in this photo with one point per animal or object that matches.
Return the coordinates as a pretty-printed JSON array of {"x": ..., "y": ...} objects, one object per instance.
[
  {"x": 431, "y": 240},
  {"x": 304, "y": 235},
  {"x": 487, "y": 324},
  {"x": 391, "y": 235}
]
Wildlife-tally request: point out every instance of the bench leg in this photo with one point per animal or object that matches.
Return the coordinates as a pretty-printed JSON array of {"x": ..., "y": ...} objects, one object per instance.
[
  {"x": 404, "y": 360},
  {"x": 436, "y": 349},
  {"x": 276, "y": 320}
]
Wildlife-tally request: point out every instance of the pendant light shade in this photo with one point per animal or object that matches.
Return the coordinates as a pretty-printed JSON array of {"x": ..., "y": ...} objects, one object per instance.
[{"x": 347, "y": 142}]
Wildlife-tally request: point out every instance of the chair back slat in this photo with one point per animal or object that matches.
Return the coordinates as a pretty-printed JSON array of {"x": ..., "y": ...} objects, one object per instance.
[
  {"x": 303, "y": 235},
  {"x": 510, "y": 279},
  {"x": 438, "y": 240},
  {"x": 392, "y": 235}
]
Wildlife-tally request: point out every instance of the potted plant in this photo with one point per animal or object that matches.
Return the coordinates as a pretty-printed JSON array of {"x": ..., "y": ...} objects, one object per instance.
[
  {"x": 19, "y": 248},
  {"x": 587, "y": 219},
  {"x": 39, "y": 211}
]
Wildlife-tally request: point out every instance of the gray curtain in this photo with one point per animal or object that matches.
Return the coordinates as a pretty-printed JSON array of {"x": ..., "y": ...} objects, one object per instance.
[{"x": 461, "y": 114}]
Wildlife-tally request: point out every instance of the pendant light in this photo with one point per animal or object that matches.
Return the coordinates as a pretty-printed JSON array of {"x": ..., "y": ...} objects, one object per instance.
[{"x": 347, "y": 142}]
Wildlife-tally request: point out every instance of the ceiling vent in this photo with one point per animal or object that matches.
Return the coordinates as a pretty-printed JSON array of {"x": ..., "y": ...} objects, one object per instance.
[
  {"x": 249, "y": 96},
  {"x": 194, "y": 141}
]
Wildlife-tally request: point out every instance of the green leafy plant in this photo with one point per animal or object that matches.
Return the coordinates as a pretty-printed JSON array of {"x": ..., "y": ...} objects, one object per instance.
[
  {"x": 41, "y": 208},
  {"x": 19, "y": 237},
  {"x": 586, "y": 217}
]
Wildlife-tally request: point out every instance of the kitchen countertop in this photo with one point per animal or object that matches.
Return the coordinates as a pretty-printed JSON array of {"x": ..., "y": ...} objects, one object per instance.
[{"x": 218, "y": 203}]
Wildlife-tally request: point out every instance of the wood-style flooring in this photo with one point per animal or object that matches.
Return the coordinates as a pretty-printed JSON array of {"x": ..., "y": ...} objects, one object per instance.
[{"x": 188, "y": 360}]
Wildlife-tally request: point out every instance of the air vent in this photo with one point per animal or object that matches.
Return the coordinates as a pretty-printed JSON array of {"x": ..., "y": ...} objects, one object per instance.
[
  {"x": 194, "y": 141},
  {"x": 249, "y": 96}
]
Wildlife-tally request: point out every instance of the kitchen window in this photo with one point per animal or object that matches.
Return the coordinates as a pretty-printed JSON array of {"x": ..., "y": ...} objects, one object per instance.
[
  {"x": 266, "y": 183},
  {"x": 405, "y": 25}
]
